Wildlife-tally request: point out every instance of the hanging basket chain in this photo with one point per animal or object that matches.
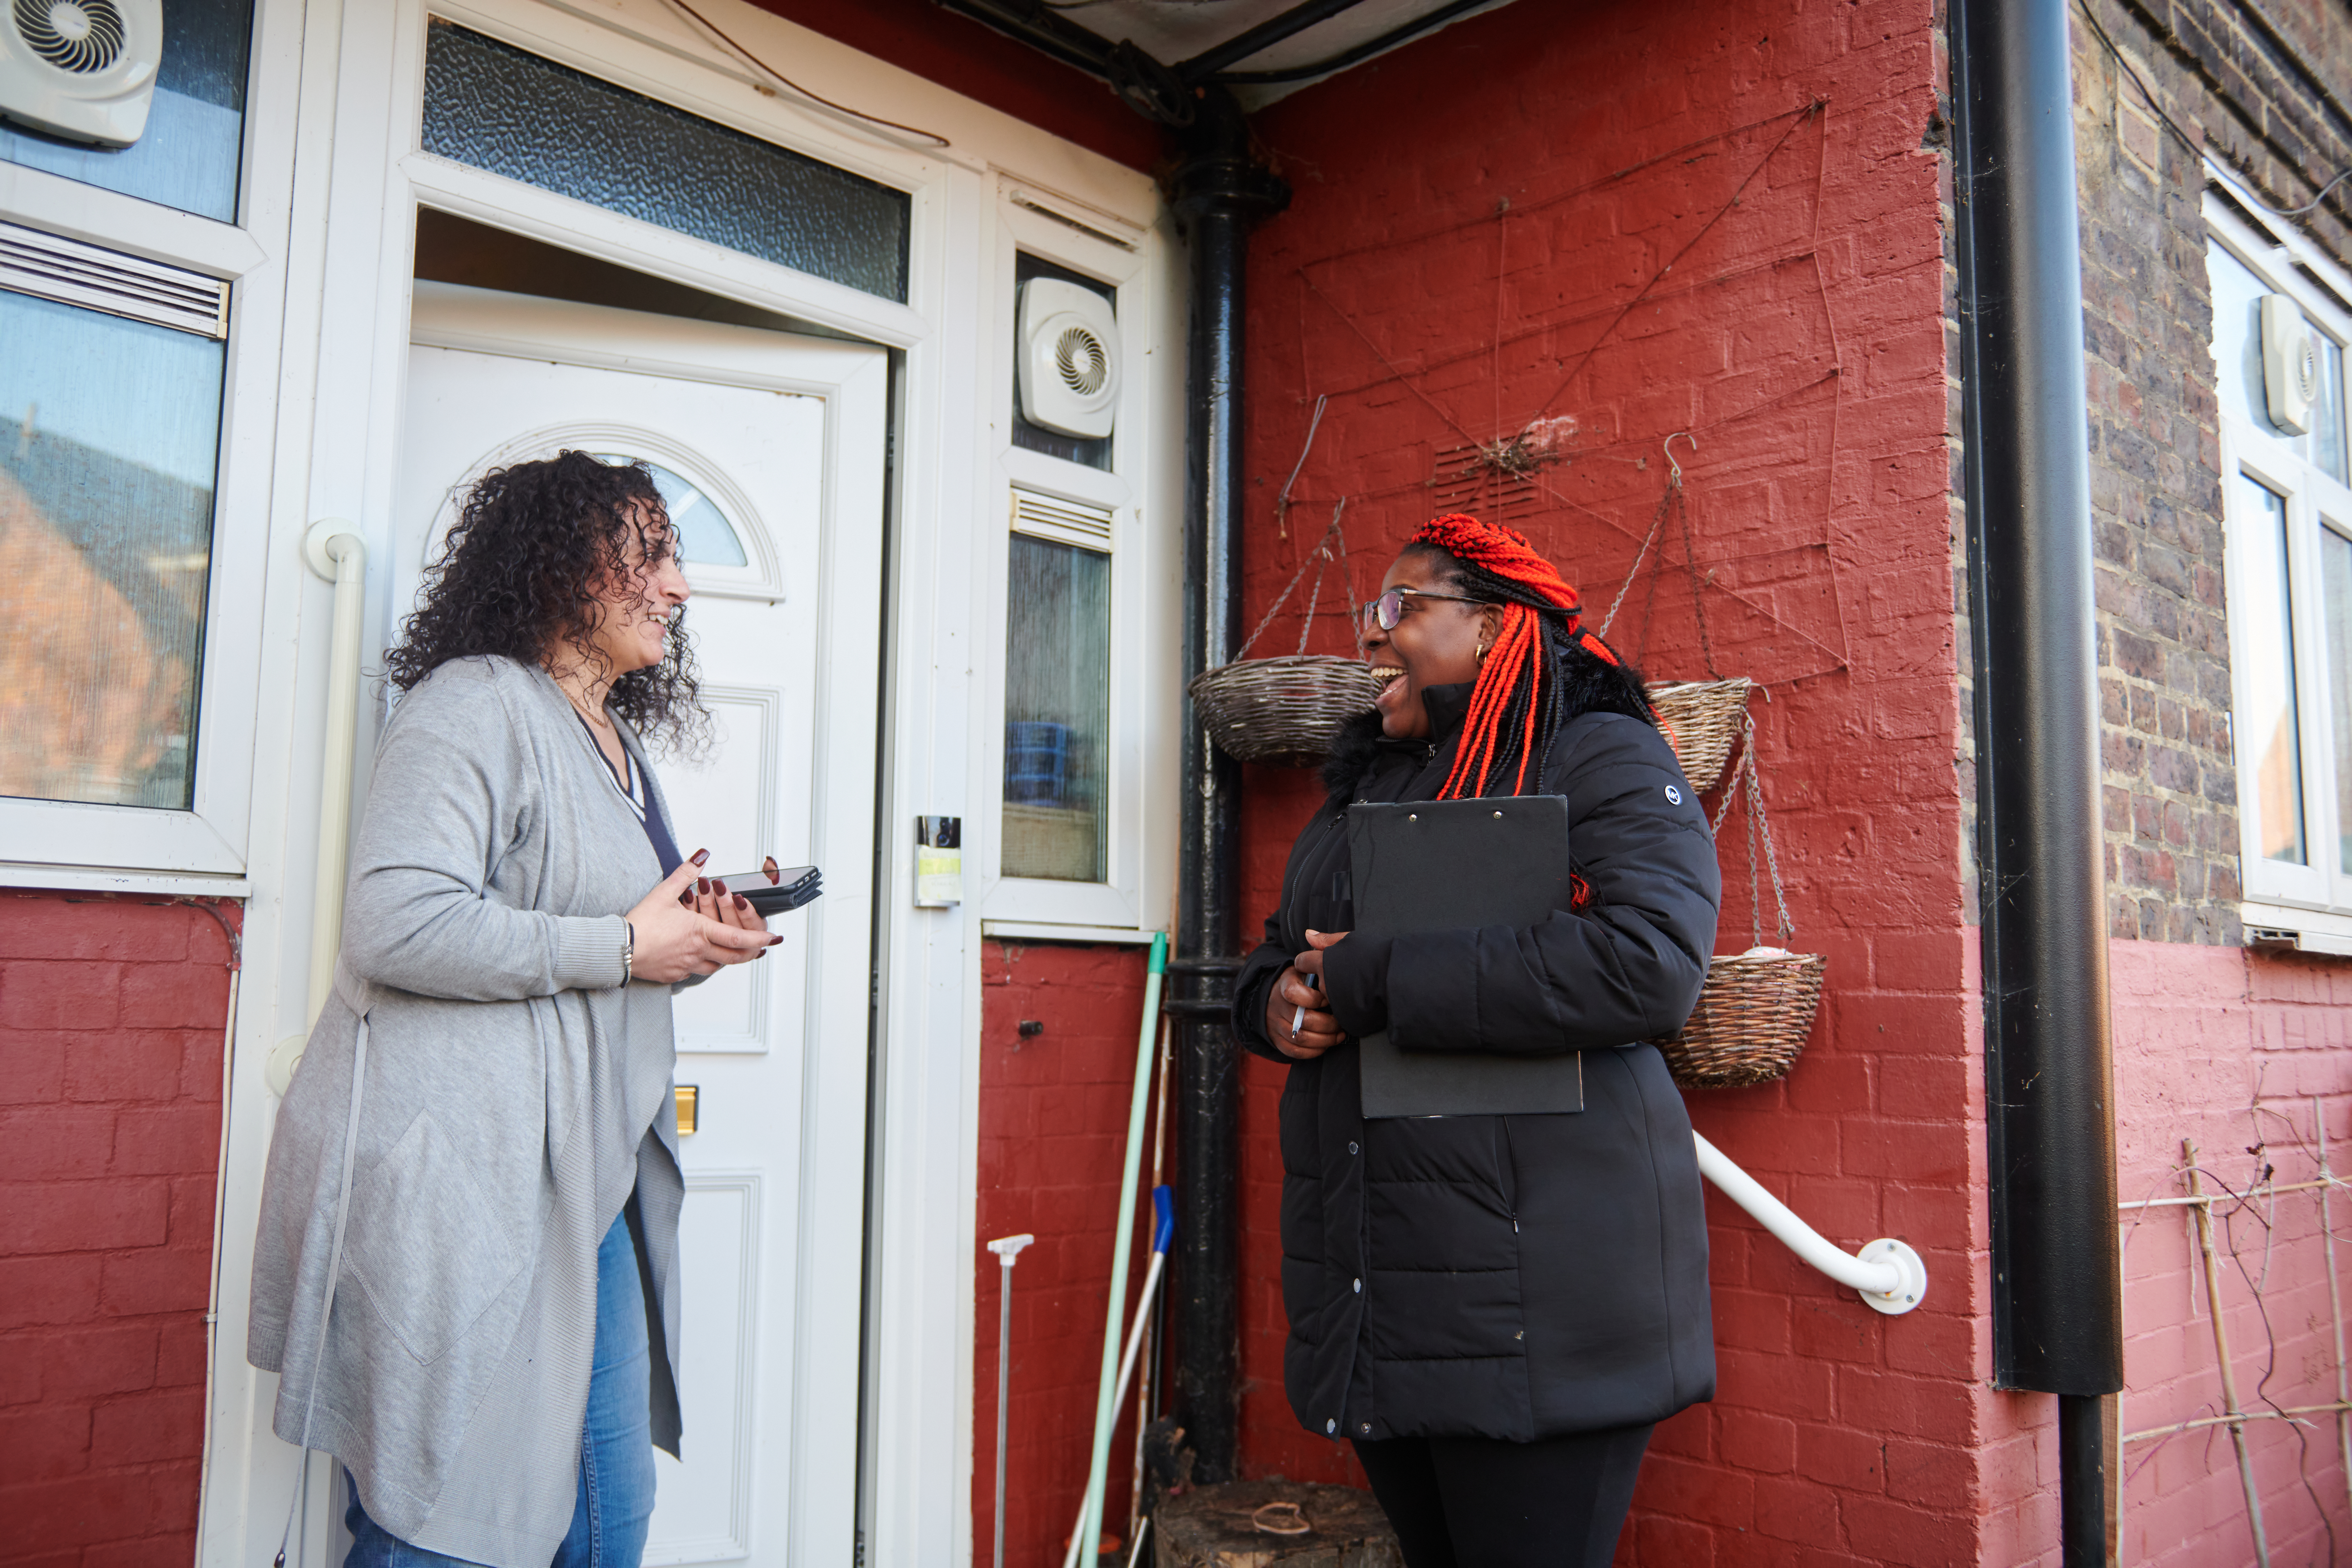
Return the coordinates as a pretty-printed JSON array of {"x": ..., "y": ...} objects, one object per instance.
[
  {"x": 1657, "y": 525},
  {"x": 1315, "y": 557},
  {"x": 1760, "y": 825},
  {"x": 1690, "y": 564},
  {"x": 1674, "y": 501},
  {"x": 1282, "y": 501}
]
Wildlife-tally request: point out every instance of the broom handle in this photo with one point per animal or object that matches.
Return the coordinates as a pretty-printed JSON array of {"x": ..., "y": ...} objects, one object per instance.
[{"x": 1098, "y": 1467}]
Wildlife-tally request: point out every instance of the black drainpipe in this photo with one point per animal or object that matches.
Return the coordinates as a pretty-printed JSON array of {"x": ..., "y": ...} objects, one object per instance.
[
  {"x": 2057, "y": 1287},
  {"x": 1219, "y": 192}
]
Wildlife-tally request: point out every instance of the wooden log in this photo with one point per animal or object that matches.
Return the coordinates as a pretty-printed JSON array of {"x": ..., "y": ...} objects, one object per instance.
[{"x": 1228, "y": 1527}]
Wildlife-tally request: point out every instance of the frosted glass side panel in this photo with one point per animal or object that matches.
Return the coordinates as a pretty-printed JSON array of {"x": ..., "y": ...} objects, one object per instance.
[
  {"x": 1056, "y": 711},
  {"x": 109, "y": 430},
  {"x": 500, "y": 109},
  {"x": 188, "y": 156},
  {"x": 2272, "y": 738}
]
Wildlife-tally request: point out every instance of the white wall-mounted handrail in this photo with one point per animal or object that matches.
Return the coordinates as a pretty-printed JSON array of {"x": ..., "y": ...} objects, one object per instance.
[
  {"x": 1889, "y": 1274},
  {"x": 336, "y": 552}
]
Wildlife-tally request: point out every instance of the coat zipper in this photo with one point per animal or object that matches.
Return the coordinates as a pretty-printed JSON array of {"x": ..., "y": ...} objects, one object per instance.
[{"x": 1509, "y": 1173}]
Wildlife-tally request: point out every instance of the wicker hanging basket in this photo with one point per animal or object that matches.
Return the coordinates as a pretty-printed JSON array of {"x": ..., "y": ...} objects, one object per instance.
[
  {"x": 1757, "y": 1008},
  {"x": 1751, "y": 1019},
  {"x": 1701, "y": 718},
  {"x": 1287, "y": 711},
  {"x": 1283, "y": 712}
]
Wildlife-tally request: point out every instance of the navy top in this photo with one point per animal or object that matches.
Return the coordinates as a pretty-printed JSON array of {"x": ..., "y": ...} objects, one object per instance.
[{"x": 630, "y": 780}]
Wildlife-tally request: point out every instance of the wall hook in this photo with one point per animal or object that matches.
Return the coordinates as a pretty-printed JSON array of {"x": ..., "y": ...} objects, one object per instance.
[{"x": 1676, "y": 478}]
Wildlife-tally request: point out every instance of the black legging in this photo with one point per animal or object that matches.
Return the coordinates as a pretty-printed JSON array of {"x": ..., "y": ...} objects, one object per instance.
[{"x": 1481, "y": 1502}]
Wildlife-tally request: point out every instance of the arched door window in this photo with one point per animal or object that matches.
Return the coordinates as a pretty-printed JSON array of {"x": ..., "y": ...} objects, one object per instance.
[{"x": 705, "y": 536}]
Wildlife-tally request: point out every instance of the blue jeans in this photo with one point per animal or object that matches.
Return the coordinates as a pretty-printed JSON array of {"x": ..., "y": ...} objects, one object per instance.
[{"x": 616, "y": 1443}]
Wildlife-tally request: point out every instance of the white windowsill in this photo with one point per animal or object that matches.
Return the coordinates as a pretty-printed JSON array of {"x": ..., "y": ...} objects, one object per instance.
[
  {"x": 107, "y": 880},
  {"x": 2312, "y": 930},
  {"x": 1039, "y": 931}
]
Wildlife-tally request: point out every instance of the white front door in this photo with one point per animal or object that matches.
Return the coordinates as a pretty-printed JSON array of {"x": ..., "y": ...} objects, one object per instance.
[{"x": 769, "y": 449}]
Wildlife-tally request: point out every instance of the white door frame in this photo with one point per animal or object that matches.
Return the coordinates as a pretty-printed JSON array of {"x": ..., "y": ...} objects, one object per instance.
[{"x": 357, "y": 183}]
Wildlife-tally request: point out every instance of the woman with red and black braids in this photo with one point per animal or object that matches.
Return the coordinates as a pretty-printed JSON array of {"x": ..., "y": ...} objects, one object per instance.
[{"x": 1495, "y": 1310}]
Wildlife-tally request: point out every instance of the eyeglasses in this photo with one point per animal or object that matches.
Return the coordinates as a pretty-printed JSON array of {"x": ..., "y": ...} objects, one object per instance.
[{"x": 1389, "y": 609}]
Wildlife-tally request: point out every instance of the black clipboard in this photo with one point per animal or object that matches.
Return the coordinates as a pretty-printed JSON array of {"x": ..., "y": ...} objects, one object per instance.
[{"x": 1438, "y": 865}]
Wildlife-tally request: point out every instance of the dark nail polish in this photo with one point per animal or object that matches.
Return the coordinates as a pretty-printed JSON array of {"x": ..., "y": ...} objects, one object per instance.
[
  {"x": 741, "y": 902},
  {"x": 702, "y": 884},
  {"x": 773, "y": 939},
  {"x": 699, "y": 856}
]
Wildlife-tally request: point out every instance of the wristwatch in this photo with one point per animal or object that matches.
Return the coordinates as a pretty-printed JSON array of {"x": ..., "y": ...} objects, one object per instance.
[{"x": 628, "y": 952}]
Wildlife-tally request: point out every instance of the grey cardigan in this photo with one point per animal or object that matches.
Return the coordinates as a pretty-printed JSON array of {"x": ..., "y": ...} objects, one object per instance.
[{"x": 512, "y": 1095}]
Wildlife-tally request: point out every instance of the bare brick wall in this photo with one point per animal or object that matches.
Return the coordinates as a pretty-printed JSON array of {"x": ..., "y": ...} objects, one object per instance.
[
  {"x": 2265, "y": 92},
  {"x": 2170, "y": 782},
  {"x": 2268, "y": 87},
  {"x": 112, "y": 1016}
]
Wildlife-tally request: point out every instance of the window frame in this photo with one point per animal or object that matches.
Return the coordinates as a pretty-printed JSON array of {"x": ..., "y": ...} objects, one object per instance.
[
  {"x": 203, "y": 850},
  {"x": 1146, "y": 570},
  {"x": 2309, "y": 904}
]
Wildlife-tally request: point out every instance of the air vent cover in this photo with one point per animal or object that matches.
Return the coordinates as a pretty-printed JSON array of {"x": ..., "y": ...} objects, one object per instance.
[
  {"x": 1069, "y": 359},
  {"x": 2290, "y": 365},
  {"x": 50, "y": 266},
  {"x": 83, "y": 69},
  {"x": 1063, "y": 521}
]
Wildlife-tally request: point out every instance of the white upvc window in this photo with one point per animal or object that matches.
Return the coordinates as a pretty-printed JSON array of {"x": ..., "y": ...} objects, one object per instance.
[
  {"x": 2287, "y": 505},
  {"x": 1082, "y": 604},
  {"x": 142, "y": 290}
]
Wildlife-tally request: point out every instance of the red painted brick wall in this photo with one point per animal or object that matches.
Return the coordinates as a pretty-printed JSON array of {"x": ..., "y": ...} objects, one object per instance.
[
  {"x": 112, "y": 1016},
  {"x": 1053, "y": 1128},
  {"x": 980, "y": 63},
  {"x": 2236, "y": 1051},
  {"x": 1476, "y": 242}
]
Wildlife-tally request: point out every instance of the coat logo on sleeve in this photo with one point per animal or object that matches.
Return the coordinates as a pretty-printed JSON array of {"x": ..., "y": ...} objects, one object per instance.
[{"x": 1674, "y": 795}]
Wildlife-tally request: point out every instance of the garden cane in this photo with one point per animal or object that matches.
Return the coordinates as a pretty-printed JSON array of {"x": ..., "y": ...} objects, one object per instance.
[
  {"x": 1090, "y": 1515},
  {"x": 1007, "y": 1248}
]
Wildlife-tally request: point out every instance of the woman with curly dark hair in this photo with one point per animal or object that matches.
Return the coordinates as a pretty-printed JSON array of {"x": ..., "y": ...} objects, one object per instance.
[{"x": 468, "y": 1244}]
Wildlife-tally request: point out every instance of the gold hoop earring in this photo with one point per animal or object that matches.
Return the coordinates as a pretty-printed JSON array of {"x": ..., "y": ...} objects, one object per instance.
[{"x": 1481, "y": 653}]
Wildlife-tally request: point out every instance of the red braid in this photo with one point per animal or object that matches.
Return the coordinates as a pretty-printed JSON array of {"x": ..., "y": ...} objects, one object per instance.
[{"x": 1518, "y": 654}]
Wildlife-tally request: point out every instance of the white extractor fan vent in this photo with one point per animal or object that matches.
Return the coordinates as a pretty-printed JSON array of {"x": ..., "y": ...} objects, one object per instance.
[
  {"x": 2290, "y": 365},
  {"x": 1069, "y": 359},
  {"x": 83, "y": 69}
]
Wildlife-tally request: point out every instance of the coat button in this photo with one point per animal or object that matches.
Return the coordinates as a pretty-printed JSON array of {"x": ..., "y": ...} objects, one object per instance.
[
  {"x": 1360, "y": 1286},
  {"x": 1330, "y": 1426},
  {"x": 1351, "y": 1147},
  {"x": 1367, "y": 1428}
]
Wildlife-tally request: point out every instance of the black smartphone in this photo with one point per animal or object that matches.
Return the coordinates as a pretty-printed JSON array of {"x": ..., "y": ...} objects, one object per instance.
[{"x": 774, "y": 892}]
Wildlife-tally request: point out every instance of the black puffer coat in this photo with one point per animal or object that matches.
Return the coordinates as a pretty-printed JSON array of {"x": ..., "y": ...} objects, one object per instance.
[{"x": 1513, "y": 1277}]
